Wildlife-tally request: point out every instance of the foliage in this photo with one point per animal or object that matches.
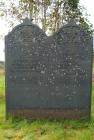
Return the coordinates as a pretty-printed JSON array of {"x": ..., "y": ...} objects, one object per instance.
[{"x": 49, "y": 14}]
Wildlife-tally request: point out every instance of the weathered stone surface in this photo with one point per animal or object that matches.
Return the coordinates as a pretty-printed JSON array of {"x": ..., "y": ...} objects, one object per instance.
[{"x": 48, "y": 76}]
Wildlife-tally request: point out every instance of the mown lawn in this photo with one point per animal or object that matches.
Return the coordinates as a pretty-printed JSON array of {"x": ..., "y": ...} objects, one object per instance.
[{"x": 43, "y": 129}]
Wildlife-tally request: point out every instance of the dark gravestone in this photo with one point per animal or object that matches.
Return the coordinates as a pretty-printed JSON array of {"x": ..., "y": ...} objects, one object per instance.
[{"x": 48, "y": 77}]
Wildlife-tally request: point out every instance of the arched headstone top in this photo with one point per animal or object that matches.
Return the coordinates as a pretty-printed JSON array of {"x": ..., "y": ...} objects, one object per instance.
[
  {"x": 26, "y": 33},
  {"x": 70, "y": 31},
  {"x": 27, "y": 25},
  {"x": 73, "y": 26}
]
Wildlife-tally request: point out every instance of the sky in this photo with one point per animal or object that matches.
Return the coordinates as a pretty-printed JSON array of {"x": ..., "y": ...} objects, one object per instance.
[{"x": 88, "y": 4}]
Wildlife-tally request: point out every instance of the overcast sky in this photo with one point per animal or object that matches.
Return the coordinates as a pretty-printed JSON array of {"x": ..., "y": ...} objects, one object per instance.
[{"x": 88, "y": 4}]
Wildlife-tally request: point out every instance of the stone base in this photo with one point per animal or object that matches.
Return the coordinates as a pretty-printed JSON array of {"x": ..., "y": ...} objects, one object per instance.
[{"x": 49, "y": 114}]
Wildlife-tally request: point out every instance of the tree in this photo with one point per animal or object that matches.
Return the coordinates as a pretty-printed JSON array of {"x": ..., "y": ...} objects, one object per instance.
[{"x": 49, "y": 14}]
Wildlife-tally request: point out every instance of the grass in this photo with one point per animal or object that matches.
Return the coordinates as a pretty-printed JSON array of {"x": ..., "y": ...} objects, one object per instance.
[{"x": 15, "y": 129}]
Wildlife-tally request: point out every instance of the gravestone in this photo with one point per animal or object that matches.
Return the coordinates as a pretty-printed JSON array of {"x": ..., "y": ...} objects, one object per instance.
[{"x": 48, "y": 77}]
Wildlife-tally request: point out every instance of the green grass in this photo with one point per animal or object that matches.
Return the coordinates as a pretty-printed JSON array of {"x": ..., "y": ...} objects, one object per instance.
[
  {"x": 15, "y": 129},
  {"x": 2, "y": 85}
]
